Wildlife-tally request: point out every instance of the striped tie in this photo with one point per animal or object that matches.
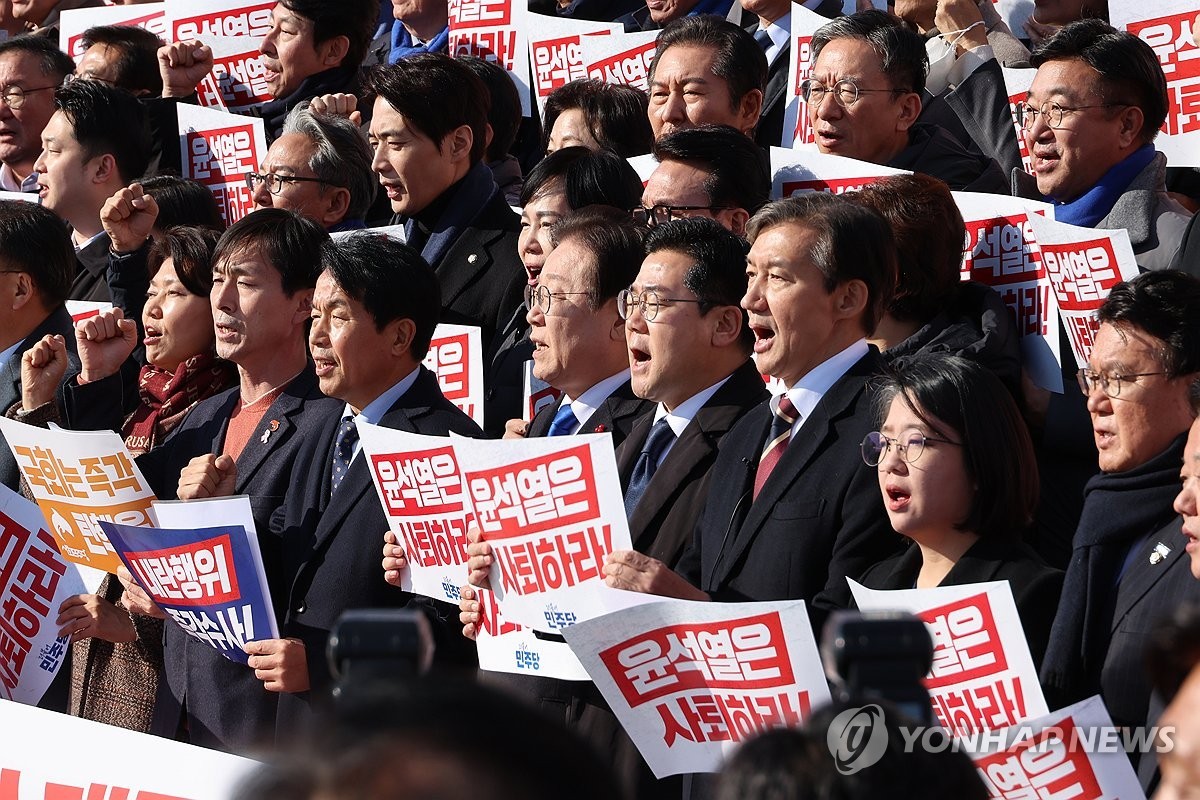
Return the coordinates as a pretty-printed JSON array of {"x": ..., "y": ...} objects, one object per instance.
[{"x": 777, "y": 441}]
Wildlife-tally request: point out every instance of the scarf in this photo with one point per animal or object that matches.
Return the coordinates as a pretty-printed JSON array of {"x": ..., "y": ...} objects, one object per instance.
[
  {"x": 403, "y": 47},
  {"x": 166, "y": 397},
  {"x": 1118, "y": 510},
  {"x": 1088, "y": 209},
  {"x": 473, "y": 193}
]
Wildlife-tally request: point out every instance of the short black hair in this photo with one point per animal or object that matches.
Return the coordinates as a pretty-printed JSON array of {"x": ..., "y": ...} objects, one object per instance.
[
  {"x": 287, "y": 241},
  {"x": 738, "y": 174},
  {"x": 964, "y": 401},
  {"x": 929, "y": 232},
  {"x": 137, "y": 55},
  {"x": 105, "y": 119},
  {"x": 390, "y": 279},
  {"x": 586, "y": 178},
  {"x": 1128, "y": 67},
  {"x": 901, "y": 51},
  {"x": 54, "y": 63},
  {"x": 737, "y": 58},
  {"x": 35, "y": 240},
  {"x": 191, "y": 252},
  {"x": 615, "y": 114},
  {"x": 852, "y": 243},
  {"x": 718, "y": 273},
  {"x": 504, "y": 114},
  {"x": 1166, "y": 305},
  {"x": 410, "y": 85},
  {"x": 614, "y": 243},
  {"x": 354, "y": 19},
  {"x": 183, "y": 201}
]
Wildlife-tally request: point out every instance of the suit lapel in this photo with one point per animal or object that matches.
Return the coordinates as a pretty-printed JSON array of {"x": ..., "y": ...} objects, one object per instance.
[
  {"x": 274, "y": 427},
  {"x": 1142, "y": 574},
  {"x": 467, "y": 259},
  {"x": 692, "y": 449}
]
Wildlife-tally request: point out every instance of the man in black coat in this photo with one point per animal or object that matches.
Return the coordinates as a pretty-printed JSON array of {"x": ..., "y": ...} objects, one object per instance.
[
  {"x": 374, "y": 313},
  {"x": 429, "y": 158},
  {"x": 790, "y": 512}
]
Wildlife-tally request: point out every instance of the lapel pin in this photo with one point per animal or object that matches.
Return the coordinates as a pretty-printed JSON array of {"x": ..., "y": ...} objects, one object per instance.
[
  {"x": 471, "y": 259},
  {"x": 1160, "y": 552},
  {"x": 599, "y": 429},
  {"x": 274, "y": 426}
]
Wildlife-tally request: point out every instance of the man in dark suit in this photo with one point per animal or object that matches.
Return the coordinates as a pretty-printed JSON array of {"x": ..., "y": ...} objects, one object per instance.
[
  {"x": 96, "y": 144},
  {"x": 578, "y": 336},
  {"x": 429, "y": 158},
  {"x": 706, "y": 70},
  {"x": 243, "y": 441},
  {"x": 1129, "y": 568},
  {"x": 36, "y": 268},
  {"x": 374, "y": 313},
  {"x": 790, "y": 512}
]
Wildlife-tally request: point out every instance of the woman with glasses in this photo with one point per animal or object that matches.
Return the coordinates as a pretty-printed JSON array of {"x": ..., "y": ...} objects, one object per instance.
[{"x": 958, "y": 478}]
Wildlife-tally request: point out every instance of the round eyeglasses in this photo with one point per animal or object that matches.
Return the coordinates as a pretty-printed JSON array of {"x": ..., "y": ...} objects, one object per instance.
[
  {"x": 909, "y": 445},
  {"x": 1111, "y": 385},
  {"x": 845, "y": 92},
  {"x": 1052, "y": 113},
  {"x": 649, "y": 302}
]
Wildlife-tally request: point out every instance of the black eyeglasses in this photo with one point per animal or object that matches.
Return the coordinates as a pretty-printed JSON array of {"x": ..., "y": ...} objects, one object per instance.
[
  {"x": 14, "y": 96},
  {"x": 845, "y": 92},
  {"x": 909, "y": 445},
  {"x": 649, "y": 302},
  {"x": 1053, "y": 113},
  {"x": 1111, "y": 385},
  {"x": 540, "y": 297},
  {"x": 275, "y": 182},
  {"x": 663, "y": 213}
]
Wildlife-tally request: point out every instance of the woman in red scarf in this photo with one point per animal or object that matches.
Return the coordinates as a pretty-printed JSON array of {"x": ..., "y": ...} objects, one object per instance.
[{"x": 116, "y": 656}]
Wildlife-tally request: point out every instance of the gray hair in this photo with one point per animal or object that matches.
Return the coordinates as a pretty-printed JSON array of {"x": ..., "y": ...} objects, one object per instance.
[{"x": 342, "y": 156}]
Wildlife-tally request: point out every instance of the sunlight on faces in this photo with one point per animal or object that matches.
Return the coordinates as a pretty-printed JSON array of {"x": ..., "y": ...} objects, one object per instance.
[
  {"x": 289, "y": 52},
  {"x": 664, "y": 11},
  {"x": 681, "y": 183},
  {"x": 178, "y": 324},
  {"x": 355, "y": 361},
  {"x": 1187, "y": 503},
  {"x": 99, "y": 63},
  {"x": 927, "y": 499},
  {"x": 290, "y": 154},
  {"x": 252, "y": 316},
  {"x": 537, "y": 218},
  {"x": 64, "y": 172},
  {"x": 411, "y": 167},
  {"x": 20, "y": 130},
  {"x": 1137, "y": 426},
  {"x": 571, "y": 130},
  {"x": 685, "y": 92},
  {"x": 875, "y": 128},
  {"x": 1071, "y": 160}
]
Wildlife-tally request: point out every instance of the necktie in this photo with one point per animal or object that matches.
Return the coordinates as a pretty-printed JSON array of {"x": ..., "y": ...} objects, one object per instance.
[
  {"x": 659, "y": 439},
  {"x": 777, "y": 441},
  {"x": 564, "y": 422},
  {"x": 343, "y": 452},
  {"x": 763, "y": 38}
]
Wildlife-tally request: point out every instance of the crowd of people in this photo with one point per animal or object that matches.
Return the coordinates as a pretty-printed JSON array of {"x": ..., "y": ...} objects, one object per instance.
[{"x": 905, "y": 447}]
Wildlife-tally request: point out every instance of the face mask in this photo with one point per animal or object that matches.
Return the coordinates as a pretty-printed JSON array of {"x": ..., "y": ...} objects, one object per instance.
[{"x": 941, "y": 58}]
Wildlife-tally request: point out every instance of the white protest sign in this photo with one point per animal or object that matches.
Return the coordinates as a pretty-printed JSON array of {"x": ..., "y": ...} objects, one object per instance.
[
  {"x": 1000, "y": 252},
  {"x": 620, "y": 58},
  {"x": 201, "y": 19},
  {"x": 555, "y": 53},
  {"x": 73, "y": 22},
  {"x": 219, "y": 150},
  {"x": 644, "y": 166},
  {"x": 538, "y": 394},
  {"x": 806, "y": 170},
  {"x": 1082, "y": 265},
  {"x": 1016, "y": 86},
  {"x": 494, "y": 30},
  {"x": 689, "y": 681},
  {"x": 507, "y": 647},
  {"x": 421, "y": 489},
  {"x": 983, "y": 676},
  {"x": 456, "y": 357},
  {"x": 238, "y": 81},
  {"x": 1168, "y": 27},
  {"x": 552, "y": 509},
  {"x": 34, "y": 582},
  {"x": 82, "y": 309},
  {"x": 27, "y": 197},
  {"x": 1076, "y": 752},
  {"x": 78, "y": 478},
  {"x": 1014, "y": 13},
  {"x": 115, "y": 763},
  {"x": 796, "y": 126}
]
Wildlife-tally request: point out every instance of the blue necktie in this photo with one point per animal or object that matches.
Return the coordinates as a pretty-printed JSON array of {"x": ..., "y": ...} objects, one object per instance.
[
  {"x": 763, "y": 38},
  {"x": 564, "y": 422},
  {"x": 660, "y": 439},
  {"x": 343, "y": 452}
]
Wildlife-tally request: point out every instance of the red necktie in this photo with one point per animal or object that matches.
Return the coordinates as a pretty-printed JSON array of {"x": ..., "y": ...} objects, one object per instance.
[{"x": 777, "y": 441}]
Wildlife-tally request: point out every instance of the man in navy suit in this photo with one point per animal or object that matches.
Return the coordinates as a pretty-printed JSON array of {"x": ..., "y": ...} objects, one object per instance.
[
  {"x": 374, "y": 313},
  {"x": 789, "y": 513}
]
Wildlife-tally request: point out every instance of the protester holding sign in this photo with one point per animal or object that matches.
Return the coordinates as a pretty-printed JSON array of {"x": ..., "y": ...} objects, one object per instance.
[{"x": 958, "y": 478}]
